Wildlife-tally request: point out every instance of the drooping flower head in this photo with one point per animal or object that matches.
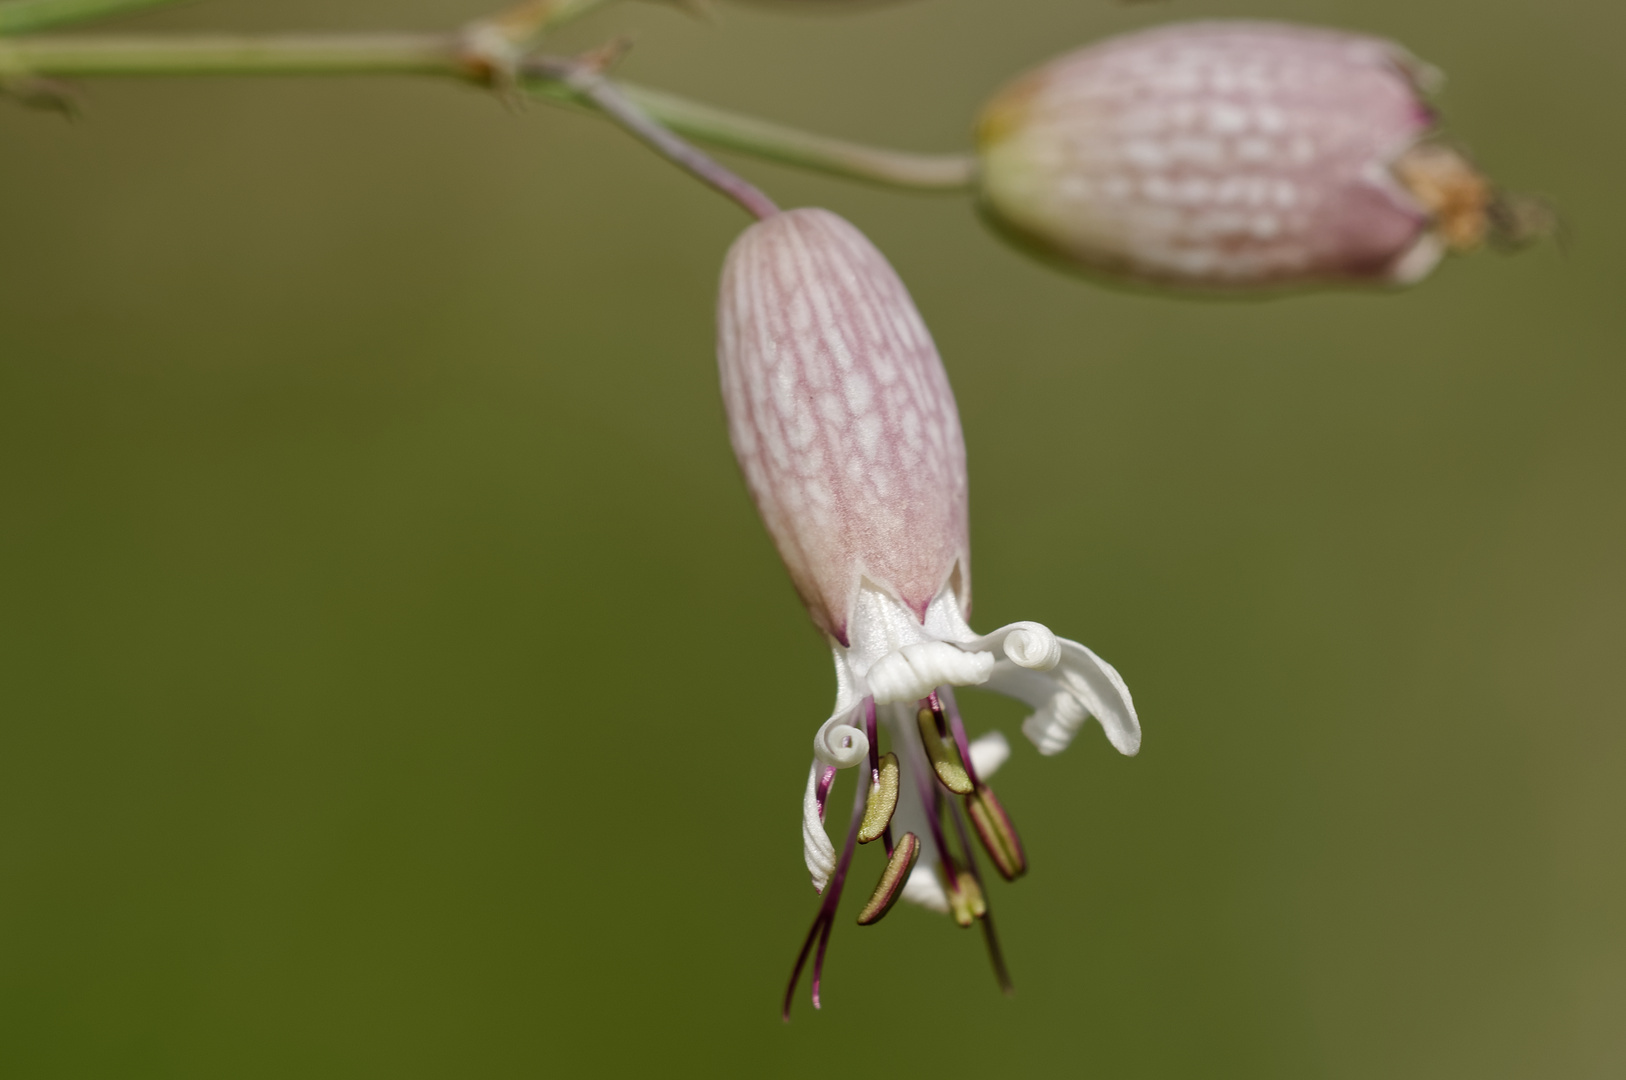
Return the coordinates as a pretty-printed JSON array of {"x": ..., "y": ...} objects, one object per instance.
[
  {"x": 1234, "y": 156},
  {"x": 844, "y": 424}
]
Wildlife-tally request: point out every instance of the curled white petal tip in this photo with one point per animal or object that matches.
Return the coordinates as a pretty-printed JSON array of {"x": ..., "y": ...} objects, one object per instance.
[
  {"x": 1028, "y": 645},
  {"x": 1114, "y": 709},
  {"x": 988, "y": 753},
  {"x": 924, "y": 889},
  {"x": 840, "y": 744},
  {"x": 1032, "y": 646},
  {"x": 912, "y": 672},
  {"x": 1082, "y": 685},
  {"x": 817, "y": 850}
]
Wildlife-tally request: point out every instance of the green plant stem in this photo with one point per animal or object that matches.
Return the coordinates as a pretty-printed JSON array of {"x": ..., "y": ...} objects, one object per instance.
[
  {"x": 789, "y": 146},
  {"x": 338, "y": 54},
  {"x": 448, "y": 55},
  {"x": 26, "y": 16},
  {"x": 613, "y": 102}
]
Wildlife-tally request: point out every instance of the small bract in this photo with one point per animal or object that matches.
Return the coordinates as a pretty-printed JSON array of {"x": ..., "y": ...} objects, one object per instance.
[
  {"x": 1232, "y": 156},
  {"x": 841, "y": 416}
]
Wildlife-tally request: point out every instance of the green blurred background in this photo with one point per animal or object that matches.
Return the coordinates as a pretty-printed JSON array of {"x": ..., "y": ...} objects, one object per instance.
[{"x": 395, "y": 680}]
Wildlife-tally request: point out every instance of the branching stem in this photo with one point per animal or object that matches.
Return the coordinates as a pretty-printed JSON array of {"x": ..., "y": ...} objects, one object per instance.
[
  {"x": 448, "y": 55},
  {"x": 790, "y": 146},
  {"x": 615, "y": 104}
]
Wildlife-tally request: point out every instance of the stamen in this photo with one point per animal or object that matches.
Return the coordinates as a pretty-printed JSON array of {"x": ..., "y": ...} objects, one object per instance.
[
  {"x": 875, "y": 769},
  {"x": 871, "y": 734},
  {"x": 967, "y": 901},
  {"x": 897, "y": 871},
  {"x": 996, "y": 832},
  {"x": 883, "y": 800},
  {"x": 945, "y": 756},
  {"x": 989, "y": 937},
  {"x": 825, "y": 919},
  {"x": 946, "y": 708},
  {"x": 996, "y": 955},
  {"x": 993, "y": 824},
  {"x": 1452, "y": 189},
  {"x": 931, "y": 801},
  {"x": 827, "y": 779},
  {"x": 824, "y": 943}
]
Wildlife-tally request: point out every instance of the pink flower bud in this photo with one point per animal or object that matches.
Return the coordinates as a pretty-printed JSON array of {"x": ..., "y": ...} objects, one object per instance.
[
  {"x": 1231, "y": 155},
  {"x": 842, "y": 417}
]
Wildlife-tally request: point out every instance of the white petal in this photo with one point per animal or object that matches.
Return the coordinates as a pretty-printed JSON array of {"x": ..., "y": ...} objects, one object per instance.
[
  {"x": 988, "y": 753},
  {"x": 847, "y": 695},
  {"x": 1052, "y": 726},
  {"x": 914, "y": 671},
  {"x": 817, "y": 851},
  {"x": 839, "y": 743},
  {"x": 1025, "y": 644},
  {"x": 1418, "y": 261},
  {"x": 924, "y": 889},
  {"x": 1082, "y": 685}
]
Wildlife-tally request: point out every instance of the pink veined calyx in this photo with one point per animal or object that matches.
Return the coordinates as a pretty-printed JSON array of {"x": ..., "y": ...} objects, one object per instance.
[
  {"x": 1238, "y": 156},
  {"x": 845, "y": 427}
]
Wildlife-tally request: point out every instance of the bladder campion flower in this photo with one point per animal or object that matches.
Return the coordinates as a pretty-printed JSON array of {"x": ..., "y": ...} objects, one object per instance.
[
  {"x": 1235, "y": 155},
  {"x": 842, "y": 418}
]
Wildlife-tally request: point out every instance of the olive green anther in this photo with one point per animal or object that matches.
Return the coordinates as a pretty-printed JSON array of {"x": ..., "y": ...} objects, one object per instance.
[
  {"x": 897, "y": 871},
  {"x": 945, "y": 756},
  {"x": 966, "y": 901},
  {"x": 996, "y": 832},
  {"x": 883, "y": 800}
]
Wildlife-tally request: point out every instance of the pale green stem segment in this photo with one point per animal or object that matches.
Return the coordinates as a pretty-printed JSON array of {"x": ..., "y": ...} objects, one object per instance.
[
  {"x": 775, "y": 142},
  {"x": 25, "y": 16},
  {"x": 447, "y": 55},
  {"x": 336, "y": 54},
  {"x": 613, "y": 102},
  {"x": 524, "y": 21}
]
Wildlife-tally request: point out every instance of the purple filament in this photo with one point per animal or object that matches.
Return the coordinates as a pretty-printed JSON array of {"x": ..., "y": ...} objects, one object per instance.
[
  {"x": 822, "y": 791},
  {"x": 875, "y": 763},
  {"x": 874, "y": 741},
  {"x": 930, "y": 796},
  {"x": 824, "y": 921},
  {"x": 952, "y": 710},
  {"x": 996, "y": 955}
]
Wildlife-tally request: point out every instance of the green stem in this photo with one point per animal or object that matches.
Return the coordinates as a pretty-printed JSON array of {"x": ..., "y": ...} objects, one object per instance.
[
  {"x": 25, "y": 16},
  {"x": 789, "y": 146},
  {"x": 338, "y": 54},
  {"x": 613, "y": 102},
  {"x": 448, "y": 55}
]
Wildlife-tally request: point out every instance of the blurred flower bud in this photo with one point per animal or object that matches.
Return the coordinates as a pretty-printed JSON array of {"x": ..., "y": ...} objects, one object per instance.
[{"x": 1233, "y": 155}]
